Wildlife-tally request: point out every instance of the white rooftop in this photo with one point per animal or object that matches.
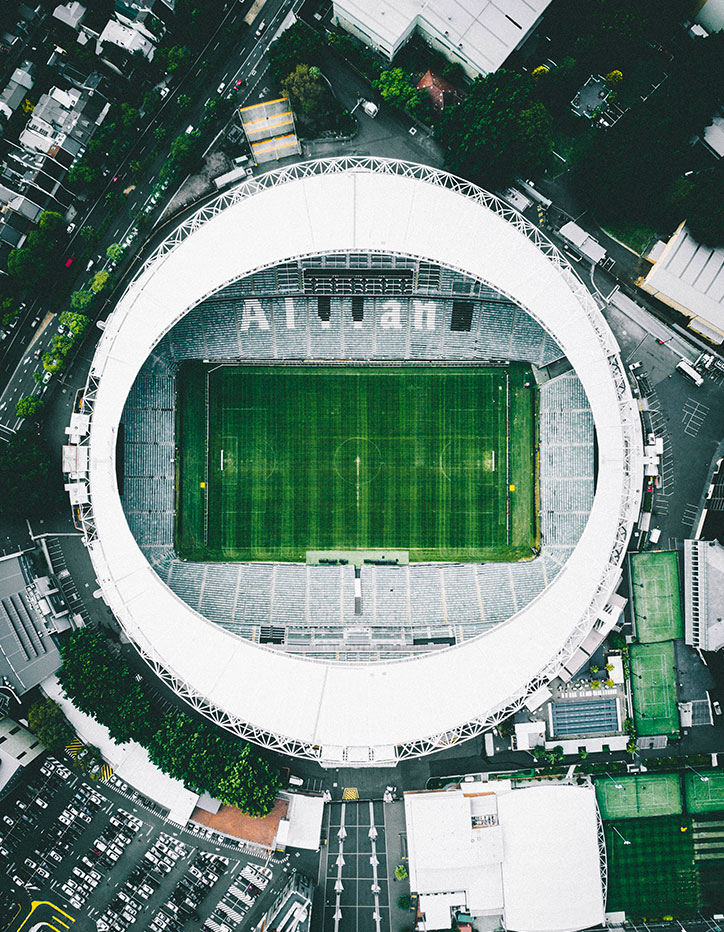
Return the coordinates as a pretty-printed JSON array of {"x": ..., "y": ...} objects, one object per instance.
[
  {"x": 362, "y": 712},
  {"x": 535, "y": 859},
  {"x": 484, "y": 32},
  {"x": 690, "y": 277}
]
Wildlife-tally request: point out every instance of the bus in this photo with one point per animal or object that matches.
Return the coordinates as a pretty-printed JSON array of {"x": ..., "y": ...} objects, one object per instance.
[{"x": 685, "y": 368}]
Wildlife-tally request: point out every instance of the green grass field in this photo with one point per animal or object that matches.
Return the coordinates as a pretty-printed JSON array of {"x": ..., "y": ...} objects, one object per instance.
[
  {"x": 419, "y": 458},
  {"x": 653, "y": 679},
  {"x": 704, "y": 795},
  {"x": 656, "y": 596},
  {"x": 654, "y": 875},
  {"x": 639, "y": 796}
]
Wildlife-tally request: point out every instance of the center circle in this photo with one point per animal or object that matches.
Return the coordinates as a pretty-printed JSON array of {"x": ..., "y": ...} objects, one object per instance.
[{"x": 357, "y": 460}]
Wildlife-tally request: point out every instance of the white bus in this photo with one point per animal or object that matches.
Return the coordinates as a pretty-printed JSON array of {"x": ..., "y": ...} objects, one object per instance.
[{"x": 690, "y": 372}]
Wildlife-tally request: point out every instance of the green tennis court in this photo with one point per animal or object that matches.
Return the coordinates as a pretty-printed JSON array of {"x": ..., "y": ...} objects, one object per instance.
[
  {"x": 651, "y": 868},
  {"x": 656, "y": 596},
  {"x": 276, "y": 460},
  {"x": 707, "y": 794},
  {"x": 639, "y": 795},
  {"x": 653, "y": 679}
]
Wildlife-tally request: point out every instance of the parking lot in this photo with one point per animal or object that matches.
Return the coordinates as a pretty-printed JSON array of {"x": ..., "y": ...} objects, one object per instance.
[
  {"x": 356, "y": 895},
  {"x": 108, "y": 865}
]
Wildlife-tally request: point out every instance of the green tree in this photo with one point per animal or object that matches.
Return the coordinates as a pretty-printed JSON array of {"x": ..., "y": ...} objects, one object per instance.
[
  {"x": 173, "y": 58},
  {"x": 403, "y": 902},
  {"x": 76, "y": 323},
  {"x": 83, "y": 175},
  {"x": 183, "y": 151},
  {"x": 305, "y": 91},
  {"x": 101, "y": 684},
  {"x": 498, "y": 132},
  {"x": 81, "y": 299},
  {"x": 297, "y": 45},
  {"x": 115, "y": 252},
  {"x": 397, "y": 88},
  {"x": 29, "y": 405},
  {"x": 9, "y": 311},
  {"x": 99, "y": 281},
  {"x": 46, "y": 720},
  {"x": 88, "y": 234},
  {"x": 183, "y": 101},
  {"x": 401, "y": 872},
  {"x": 250, "y": 783},
  {"x": 29, "y": 476},
  {"x": 31, "y": 264}
]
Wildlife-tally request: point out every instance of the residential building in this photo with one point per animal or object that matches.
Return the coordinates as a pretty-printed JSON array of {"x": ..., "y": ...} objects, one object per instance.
[
  {"x": 478, "y": 34},
  {"x": 16, "y": 89},
  {"x": 18, "y": 747}
]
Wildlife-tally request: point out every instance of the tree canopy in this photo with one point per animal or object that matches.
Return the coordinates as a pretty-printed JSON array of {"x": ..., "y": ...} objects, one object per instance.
[
  {"x": 32, "y": 263},
  {"x": 29, "y": 476},
  {"x": 101, "y": 683},
  {"x": 297, "y": 45},
  {"x": 498, "y": 132},
  {"x": 46, "y": 720}
]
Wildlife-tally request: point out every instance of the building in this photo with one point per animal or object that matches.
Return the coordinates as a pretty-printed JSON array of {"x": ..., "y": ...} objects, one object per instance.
[
  {"x": 478, "y": 35},
  {"x": 31, "y": 613},
  {"x": 18, "y": 747},
  {"x": 531, "y": 859},
  {"x": 354, "y": 223},
  {"x": 442, "y": 93},
  {"x": 291, "y": 910},
  {"x": 131, "y": 37},
  {"x": 63, "y": 123},
  {"x": 704, "y": 594},
  {"x": 710, "y": 15},
  {"x": 713, "y": 137},
  {"x": 690, "y": 278},
  {"x": 16, "y": 89}
]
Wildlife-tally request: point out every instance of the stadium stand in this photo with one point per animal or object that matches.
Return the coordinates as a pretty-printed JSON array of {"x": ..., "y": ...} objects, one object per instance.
[{"x": 311, "y": 609}]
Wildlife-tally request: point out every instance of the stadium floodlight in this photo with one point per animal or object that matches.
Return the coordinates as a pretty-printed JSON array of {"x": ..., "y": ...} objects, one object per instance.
[
  {"x": 624, "y": 840},
  {"x": 619, "y": 786},
  {"x": 699, "y": 775}
]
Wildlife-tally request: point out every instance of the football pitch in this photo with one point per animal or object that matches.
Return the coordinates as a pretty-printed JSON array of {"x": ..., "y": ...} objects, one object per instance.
[{"x": 276, "y": 460}]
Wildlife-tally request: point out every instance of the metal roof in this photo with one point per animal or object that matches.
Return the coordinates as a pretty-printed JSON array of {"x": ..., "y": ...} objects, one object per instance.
[{"x": 377, "y": 711}]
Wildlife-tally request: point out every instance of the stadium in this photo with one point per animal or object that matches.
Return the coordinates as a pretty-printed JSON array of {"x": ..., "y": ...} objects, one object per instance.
[{"x": 363, "y": 461}]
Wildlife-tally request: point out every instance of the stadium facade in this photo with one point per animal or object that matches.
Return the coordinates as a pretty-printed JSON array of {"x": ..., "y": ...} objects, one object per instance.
[{"x": 276, "y": 652}]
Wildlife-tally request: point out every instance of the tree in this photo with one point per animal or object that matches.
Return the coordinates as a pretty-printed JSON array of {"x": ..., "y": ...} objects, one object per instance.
[
  {"x": 99, "y": 281},
  {"x": 76, "y": 323},
  {"x": 498, "y": 132},
  {"x": 31, "y": 264},
  {"x": 403, "y": 902},
  {"x": 115, "y": 252},
  {"x": 81, "y": 299},
  {"x": 102, "y": 685},
  {"x": 704, "y": 206},
  {"x": 183, "y": 101},
  {"x": 46, "y": 720},
  {"x": 614, "y": 78},
  {"x": 297, "y": 45},
  {"x": 88, "y": 234},
  {"x": 173, "y": 58},
  {"x": 9, "y": 311},
  {"x": 401, "y": 872},
  {"x": 305, "y": 91},
  {"x": 29, "y": 476},
  {"x": 250, "y": 784},
  {"x": 83, "y": 175},
  {"x": 397, "y": 88},
  {"x": 29, "y": 405}
]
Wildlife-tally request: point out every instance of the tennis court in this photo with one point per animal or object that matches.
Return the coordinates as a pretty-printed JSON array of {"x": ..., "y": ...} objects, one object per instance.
[
  {"x": 651, "y": 868},
  {"x": 653, "y": 679},
  {"x": 639, "y": 796},
  {"x": 707, "y": 794},
  {"x": 656, "y": 596}
]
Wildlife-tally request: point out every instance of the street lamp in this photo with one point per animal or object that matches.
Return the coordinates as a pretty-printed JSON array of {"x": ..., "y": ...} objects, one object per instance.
[
  {"x": 699, "y": 775},
  {"x": 624, "y": 840}
]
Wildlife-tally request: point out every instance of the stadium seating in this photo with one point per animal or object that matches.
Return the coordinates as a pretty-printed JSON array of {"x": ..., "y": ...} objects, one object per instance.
[{"x": 311, "y": 609}]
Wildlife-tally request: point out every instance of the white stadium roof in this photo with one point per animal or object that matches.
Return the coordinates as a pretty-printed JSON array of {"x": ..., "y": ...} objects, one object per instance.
[{"x": 374, "y": 712}]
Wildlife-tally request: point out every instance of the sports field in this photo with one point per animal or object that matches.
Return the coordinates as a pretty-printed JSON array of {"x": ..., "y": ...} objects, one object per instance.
[
  {"x": 653, "y": 678},
  {"x": 651, "y": 868},
  {"x": 704, "y": 795},
  {"x": 656, "y": 596},
  {"x": 278, "y": 460},
  {"x": 639, "y": 796}
]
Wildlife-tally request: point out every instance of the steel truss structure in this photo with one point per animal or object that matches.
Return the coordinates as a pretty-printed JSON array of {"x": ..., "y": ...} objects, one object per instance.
[{"x": 631, "y": 465}]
